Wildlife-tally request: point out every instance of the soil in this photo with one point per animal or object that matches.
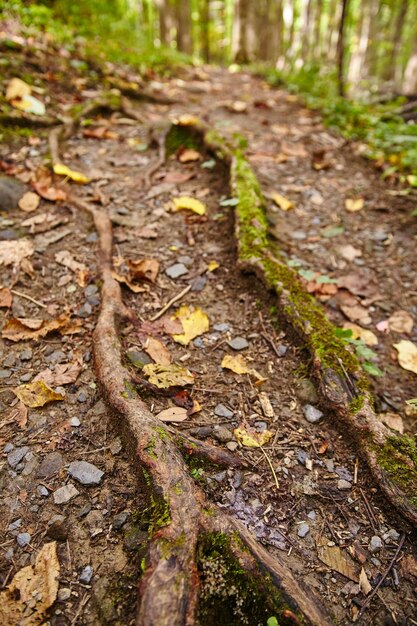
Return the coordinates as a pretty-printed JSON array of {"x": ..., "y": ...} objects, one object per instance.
[{"x": 320, "y": 496}]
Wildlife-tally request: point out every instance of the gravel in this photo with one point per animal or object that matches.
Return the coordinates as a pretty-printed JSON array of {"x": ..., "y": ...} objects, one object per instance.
[
  {"x": 176, "y": 270},
  {"x": 65, "y": 494},
  {"x": 312, "y": 414},
  {"x": 238, "y": 343},
  {"x": 86, "y": 473}
]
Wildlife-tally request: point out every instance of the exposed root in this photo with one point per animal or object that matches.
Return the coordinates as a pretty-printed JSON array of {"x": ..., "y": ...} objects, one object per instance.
[
  {"x": 160, "y": 140},
  {"x": 25, "y": 120},
  {"x": 182, "y": 514}
]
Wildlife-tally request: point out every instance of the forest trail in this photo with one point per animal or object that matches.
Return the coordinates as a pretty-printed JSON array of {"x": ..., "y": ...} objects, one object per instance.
[{"x": 306, "y": 494}]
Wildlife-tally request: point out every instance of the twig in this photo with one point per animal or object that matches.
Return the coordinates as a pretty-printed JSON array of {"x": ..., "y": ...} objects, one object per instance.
[
  {"x": 23, "y": 295},
  {"x": 273, "y": 346},
  {"x": 159, "y": 161},
  {"x": 383, "y": 577},
  {"x": 170, "y": 303},
  {"x": 271, "y": 466}
]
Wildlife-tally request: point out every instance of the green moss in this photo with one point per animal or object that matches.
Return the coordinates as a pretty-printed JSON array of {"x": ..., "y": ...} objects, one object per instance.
[
  {"x": 182, "y": 137},
  {"x": 129, "y": 391},
  {"x": 356, "y": 404},
  {"x": 159, "y": 514},
  {"x": 398, "y": 457},
  {"x": 150, "y": 448}
]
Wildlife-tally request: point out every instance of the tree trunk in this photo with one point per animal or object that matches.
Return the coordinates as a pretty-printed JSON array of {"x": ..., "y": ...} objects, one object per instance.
[
  {"x": 357, "y": 64},
  {"x": 341, "y": 49},
  {"x": 410, "y": 74},
  {"x": 205, "y": 29},
  {"x": 183, "y": 14},
  {"x": 242, "y": 14},
  {"x": 394, "y": 67}
]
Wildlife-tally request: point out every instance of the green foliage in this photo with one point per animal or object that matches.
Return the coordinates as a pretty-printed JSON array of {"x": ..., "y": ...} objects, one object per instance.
[{"x": 365, "y": 355}]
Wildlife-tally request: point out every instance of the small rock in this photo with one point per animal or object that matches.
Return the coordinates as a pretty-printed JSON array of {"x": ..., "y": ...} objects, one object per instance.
[
  {"x": 5, "y": 374},
  {"x": 221, "y": 328},
  {"x": 187, "y": 260},
  {"x": 202, "y": 432},
  {"x": 92, "y": 237},
  {"x": 238, "y": 343},
  {"x": 198, "y": 342},
  {"x": 64, "y": 594},
  {"x": 16, "y": 456},
  {"x": 306, "y": 392},
  {"x": 26, "y": 355},
  {"x": 15, "y": 525},
  {"x": 303, "y": 530},
  {"x": 75, "y": 422},
  {"x": 343, "y": 484},
  {"x": 91, "y": 290},
  {"x": 223, "y": 411},
  {"x": 86, "y": 473},
  {"x": 138, "y": 358},
  {"x": 302, "y": 456},
  {"x": 119, "y": 520},
  {"x": 232, "y": 446},
  {"x": 220, "y": 476},
  {"x": 42, "y": 491},
  {"x": 85, "y": 510},
  {"x": 375, "y": 544},
  {"x": 11, "y": 190},
  {"x": 391, "y": 535},
  {"x": 10, "y": 360},
  {"x": 57, "y": 356},
  {"x": 222, "y": 434},
  {"x": 65, "y": 494},
  {"x": 9, "y": 446},
  {"x": 23, "y": 539},
  {"x": 50, "y": 465},
  {"x": 344, "y": 473},
  {"x": 134, "y": 538},
  {"x": 82, "y": 397},
  {"x": 312, "y": 414},
  {"x": 176, "y": 270},
  {"x": 9, "y": 554},
  {"x": 199, "y": 283},
  {"x": 9, "y": 234},
  {"x": 25, "y": 378},
  {"x": 86, "y": 575},
  {"x": 116, "y": 446},
  {"x": 85, "y": 311},
  {"x": 311, "y": 515}
]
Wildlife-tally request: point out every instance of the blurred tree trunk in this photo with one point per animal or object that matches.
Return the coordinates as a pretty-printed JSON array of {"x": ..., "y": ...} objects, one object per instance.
[
  {"x": 205, "y": 29},
  {"x": 164, "y": 21},
  {"x": 410, "y": 74},
  {"x": 242, "y": 24},
  {"x": 394, "y": 66},
  {"x": 316, "y": 45},
  {"x": 275, "y": 32},
  {"x": 357, "y": 63},
  {"x": 306, "y": 28},
  {"x": 183, "y": 15},
  {"x": 341, "y": 49}
]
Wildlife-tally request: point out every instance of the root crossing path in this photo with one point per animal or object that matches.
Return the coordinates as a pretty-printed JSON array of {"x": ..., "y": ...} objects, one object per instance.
[{"x": 162, "y": 434}]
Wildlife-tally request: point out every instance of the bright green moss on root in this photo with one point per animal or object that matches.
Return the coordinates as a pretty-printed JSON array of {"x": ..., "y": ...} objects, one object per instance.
[
  {"x": 181, "y": 136},
  {"x": 398, "y": 457}
]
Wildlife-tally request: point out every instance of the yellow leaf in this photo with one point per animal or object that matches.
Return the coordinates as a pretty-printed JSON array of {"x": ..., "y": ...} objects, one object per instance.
[
  {"x": 407, "y": 355},
  {"x": 252, "y": 440},
  {"x": 29, "y": 104},
  {"x": 17, "y": 89},
  {"x": 354, "y": 204},
  {"x": 282, "y": 202},
  {"x": 165, "y": 376},
  {"x": 194, "y": 322},
  {"x": 236, "y": 363},
  {"x": 190, "y": 204},
  {"x": 367, "y": 336},
  {"x": 32, "y": 591},
  {"x": 188, "y": 120},
  {"x": 77, "y": 177},
  {"x": 36, "y": 394},
  {"x": 213, "y": 265}
]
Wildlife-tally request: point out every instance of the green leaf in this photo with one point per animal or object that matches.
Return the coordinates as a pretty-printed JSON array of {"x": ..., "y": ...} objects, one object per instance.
[
  {"x": 412, "y": 402},
  {"x": 343, "y": 333},
  {"x": 208, "y": 165},
  {"x": 364, "y": 352},
  {"x": 325, "y": 280},
  {"x": 372, "y": 369},
  {"x": 307, "y": 274},
  {"x": 332, "y": 231},
  {"x": 272, "y": 621},
  {"x": 229, "y": 202}
]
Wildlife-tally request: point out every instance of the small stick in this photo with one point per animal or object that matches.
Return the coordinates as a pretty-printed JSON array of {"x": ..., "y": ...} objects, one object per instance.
[
  {"x": 23, "y": 295},
  {"x": 273, "y": 346},
  {"x": 271, "y": 466},
  {"x": 170, "y": 303}
]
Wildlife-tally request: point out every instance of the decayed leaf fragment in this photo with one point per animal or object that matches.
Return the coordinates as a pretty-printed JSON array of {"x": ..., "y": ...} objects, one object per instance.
[
  {"x": 125, "y": 281},
  {"x": 29, "y": 202},
  {"x": 77, "y": 177},
  {"x": 6, "y": 297},
  {"x": 251, "y": 439},
  {"x": 236, "y": 363},
  {"x": 145, "y": 269},
  {"x": 401, "y": 322},
  {"x": 165, "y": 376},
  {"x": 407, "y": 355},
  {"x": 21, "y": 328},
  {"x": 13, "y": 252},
  {"x": 157, "y": 351},
  {"x": 36, "y": 394},
  {"x": 32, "y": 591},
  {"x": 354, "y": 204},
  {"x": 173, "y": 414},
  {"x": 283, "y": 203},
  {"x": 190, "y": 204},
  {"x": 19, "y": 414},
  {"x": 63, "y": 373},
  {"x": 336, "y": 559},
  {"x": 194, "y": 322},
  {"x": 364, "y": 583},
  {"x": 188, "y": 155}
]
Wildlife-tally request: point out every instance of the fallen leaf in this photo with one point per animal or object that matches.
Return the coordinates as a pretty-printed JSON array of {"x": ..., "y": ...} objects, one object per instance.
[
  {"x": 100, "y": 132},
  {"x": 77, "y": 177},
  {"x": 401, "y": 322},
  {"x": 125, "y": 281},
  {"x": 359, "y": 284},
  {"x": 165, "y": 376},
  {"x": 336, "y": 559},
  {"x": 212, "y": 265},
  {"x": 183, "y": 398},
  {"x": 13, "y": 252},
  {"x": 6, "y": 298},
  {"x": 188, "y": 120},
  {"x": 188, "y": 155},
  {"x": 19, "y": 414},
  {"x": 36, "y": 394},
  {"x": 178, "y": 177},
  {"x": 236, "y": 364},
  {"x": 349, "y": 252},
  {"x": 17, "y": 88},
  {"x": 354, "y": 204},
  {"x": 18, "y": 93},
  {"x": 157, "y": 351},
  {"x": 63, "y": 374},
  {"x": 282, "y": 202},
  {"x": 29, "y": 202},
  {"x": 408, "y": 566},
  {"x": 393, "y": 421},
  {"x": 19, "y": 328},
  {"x": 251, "y": 439},
  {"x": 266, "y": 405},
  {"x": 194, "y": 322},
  {"x": 407, "y": 355},
  {"x": 173, "y": 414},
  {"x": 65, "y": 258},
  {"x": 190, "y": 204},
  {"x": 238, "y": 106},
  {"x": 357, "y": 313},
  {"x": 332, "y": 231},
  {"x": 367, "y": 336},
  {"x": 146, "y": 269},
  {"x": 364, "y": 583},
  {"x": 43, "y": 186}
]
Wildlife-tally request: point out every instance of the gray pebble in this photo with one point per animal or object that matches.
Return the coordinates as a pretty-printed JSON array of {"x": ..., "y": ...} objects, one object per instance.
[
  {"x": 15, "y": 525},
  {"x": 86, "y": 473},
  {"x": 75, "y": 422},
  {"x": 82, "y": 397},
  {"x": 198, "y": 342},
  {"x": 93, "y": 300},
  {"x": 86, "y": 575},
  {"x": 85, "y": 310},
  {"x": 138, "y": 358},
  {"x": 50, "y": 465},
  {"x": 63, "y": 594},
  {"x": 57, "y": 356},
  {"x": 199, "y": 283},
  {"x": 119, "y": 520},
  {"x": 311, "y": 515},
  {"x": 9, "y": 234},
  {"x": 312, "y": 414},
  {"x": 187, "y": 260},
  {"x": 302, "y": 456},
  {"x": 220, "y": 476},
  {"x": 282, "y": 349},
  {"x": 16, "y": 456},
  {"x": 344, "y": 473},
  {"x": 176, "y": 270},
  {"x": 202, "y": 432},
  {"x": 42, "y": 491},
  {"x": 221, "y": 328},
  {"x": 238, "y": 343},
  {"x": 65, "y": 494},
  {"x": 9, "y": 554},
  {"x": 232, "y": 446},
  {"x": 223, "y": 411},
  {"x": 25, "y": 378},
  {"x": 5, "y": 374},
  {"x": 11, "y": 190},
  {"x": 91, "y": 290},
  {"x": 303, "y": 530},
  {"x": 26, "y": 355},
  {"x": 222, "y": 434},
  {"x": 391, "y": 535},
  {"x": 343, "y": 484},
  {"x": 10, "y": 360},
  {"x": 91, "y": 238},
  {"x": 9, "y": 446},
  {"x": 375, "y": 544},
  {"x": 23, "y": 539}
]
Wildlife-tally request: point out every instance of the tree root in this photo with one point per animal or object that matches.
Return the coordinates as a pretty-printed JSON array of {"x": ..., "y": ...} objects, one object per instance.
[
  {"x": 391, "y": 458},
  {"x": 27, "y": 121},
  {"x": 183, "y": 517}
]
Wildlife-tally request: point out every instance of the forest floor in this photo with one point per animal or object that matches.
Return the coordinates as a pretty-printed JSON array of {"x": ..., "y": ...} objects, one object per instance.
[{"x": 319, "y": 507}]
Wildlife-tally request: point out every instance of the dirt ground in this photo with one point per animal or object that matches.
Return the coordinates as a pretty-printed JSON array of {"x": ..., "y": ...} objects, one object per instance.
[{"x": 318, "y": 505}]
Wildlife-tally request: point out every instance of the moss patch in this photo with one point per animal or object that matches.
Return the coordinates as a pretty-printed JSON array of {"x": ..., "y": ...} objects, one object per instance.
[
  {"x": 182, "y": 137},
  {"x": 398, "y": 457}
]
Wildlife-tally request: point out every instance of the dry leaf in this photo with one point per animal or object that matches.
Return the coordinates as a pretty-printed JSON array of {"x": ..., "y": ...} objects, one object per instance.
[
  {"x": 348, "y": 252},
  {"x": 236, "y": 363},
  {"x": 165, "y": 376},
  {"x": 20, "y": 328},
  {"x": 17, "y": 88},
  {"x": 401, "y": 322},
  {"x": 77, "y": 177},
  {"x": 157, "y": 351},
  {"x": 357, "y": 313},
  {"x": 146, "y": 269},
  {"x": 282, "y": 202},
  {"x": 100, "y": 132},
  {"x": 19, "y": 414},
  {"x": 407, "y": 355},
  {"x": 32, "y": 591},
  {"x": 173, "y": 414},
  {"x": 251, "y": 439},
  {"x": 337, "y": 560},
  {"x": 65, "y": 258},
  {"x": 393, "y": 421},
  {"x": 354, "y": 204},
  {"x": 13, "y": 252},
  {"x": 364, "y": 583},
  {"x": 367, "y": 336},
  {"x": 43, "y": 186},
  {"x": 183, "y": 399},
  {"x": 125, "y": 281},
  {"x": 408, "y": 566},
  {"x": 213, "y": 265},
  {"x": 190, "y": 204},
  {"x": 188, "y": 155},
  {"x": 6, "y": 298},
  {"x": 63, "y": 374},
  {"x": 36, "y": 394},
  {"x": 188, "y": 120},
  {"x": 266, "y": 405},
  {"x": 29, "y": 202},
  {"x": 194, "y": 322}
]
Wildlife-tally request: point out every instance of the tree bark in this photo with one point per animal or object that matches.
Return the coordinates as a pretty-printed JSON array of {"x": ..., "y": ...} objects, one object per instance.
[
  {"x": 183, "y": 14},
  {"x": 341, "y": 49},
  {"x": 242, "y": 13}
]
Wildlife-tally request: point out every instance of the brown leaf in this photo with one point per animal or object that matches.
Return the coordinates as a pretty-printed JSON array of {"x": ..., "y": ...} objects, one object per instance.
[
  {"x": 100, "y": 132},
  {"x": 19, "y": 328},
  {"x": 32, "y": 591},
  {"x": 146, "y": 269},
  {"x": 63, "y": 374},
  {"x": 29, "y": 202},
  {"x": 157, "y": 351},
  {"x": 336, "y": 559},
  {"x": 6, "y": 298},
  {"x": 188, "y": 155},
  {"x": 401, "y": 322},
  {"x": 178, "y": 177},
  {"x": 183, "y": 398},
  {"x": 13, "y": 252},
  {"x": 125, "y": 281},
  {"x": 165, "y": 376},
  {"x": 393, "y": 421},
  {"x": 357, "y": 313},
  {"x": 19, "y": 414},
  {"x": 173, "y": 414}
]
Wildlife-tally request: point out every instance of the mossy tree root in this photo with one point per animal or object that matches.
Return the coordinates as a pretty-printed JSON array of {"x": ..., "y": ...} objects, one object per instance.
[
  {"x": 391, "y": 458},
  {"x": 182, "y": 517}
]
